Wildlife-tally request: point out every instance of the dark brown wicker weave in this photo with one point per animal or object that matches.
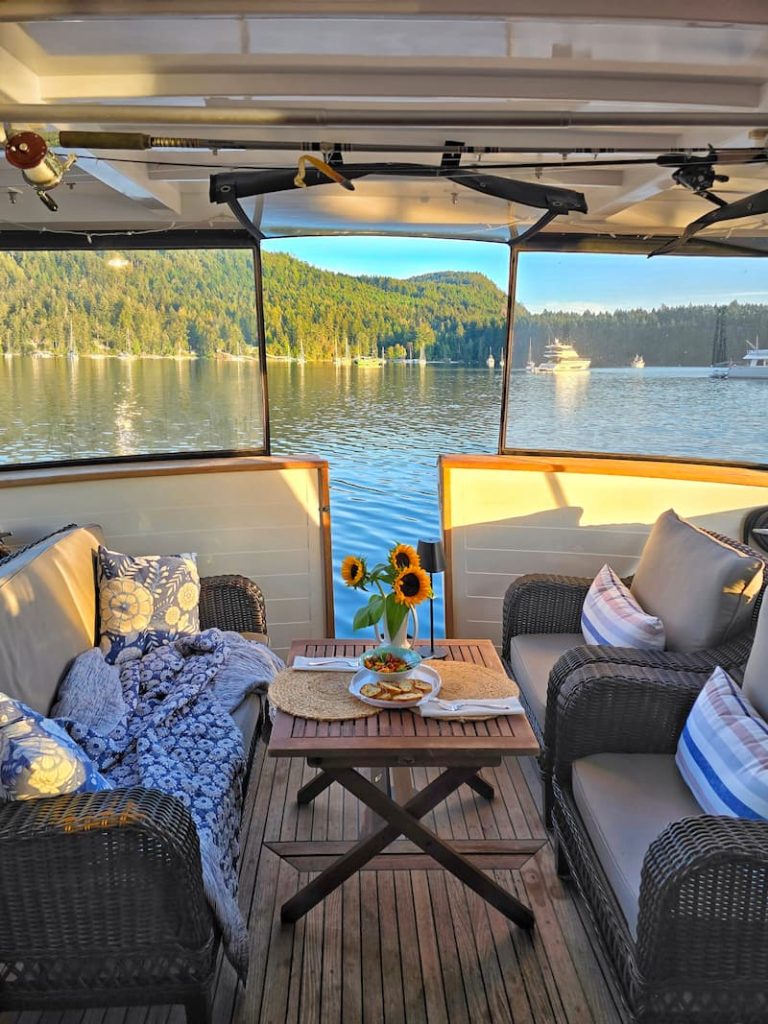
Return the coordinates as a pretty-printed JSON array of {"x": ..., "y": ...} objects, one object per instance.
[
  {"x": 701, "y": 952},
  {"x": 101, "y": 897},
  {"x": 232, "y": 602},
  {"x": 543, "y": 603}
]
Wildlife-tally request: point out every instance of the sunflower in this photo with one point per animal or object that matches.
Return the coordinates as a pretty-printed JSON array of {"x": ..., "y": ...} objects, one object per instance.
[
  {"x": 412, "y": 587},
  {"x": 353, "y": 571},
  {"x": 125, "y": 605},
  {"x": 403, "y": 556},
  {"x": 188, "y": 596}
]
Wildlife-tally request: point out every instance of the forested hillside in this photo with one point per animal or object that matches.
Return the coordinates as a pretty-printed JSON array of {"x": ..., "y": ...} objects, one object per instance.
[{"x": 202, "y": 302}]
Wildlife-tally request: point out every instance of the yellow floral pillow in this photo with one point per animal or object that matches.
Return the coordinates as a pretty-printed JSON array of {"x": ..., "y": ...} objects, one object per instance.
[{"x": 145, "y": 601}]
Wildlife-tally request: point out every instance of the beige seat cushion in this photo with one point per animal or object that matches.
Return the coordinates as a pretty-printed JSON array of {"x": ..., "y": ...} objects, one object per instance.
[
  {"x": 625, "y": 802},
  {"x": 756, "y": 673},
  {"x": 47, "y": 614},
  {"x": 702, "y": 590},
  {"x": 532, "y": 656}
]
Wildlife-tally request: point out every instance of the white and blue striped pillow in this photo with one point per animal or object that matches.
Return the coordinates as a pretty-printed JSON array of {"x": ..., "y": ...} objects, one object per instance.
[
  {"x": 611, "y": 616},
  {"x": 723, "y": 752}
]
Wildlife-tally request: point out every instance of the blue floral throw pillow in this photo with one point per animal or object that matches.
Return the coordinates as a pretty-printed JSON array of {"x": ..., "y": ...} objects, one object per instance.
[
  {"x": 38, "y": 758},
  {"x": 145, "y": 601}
]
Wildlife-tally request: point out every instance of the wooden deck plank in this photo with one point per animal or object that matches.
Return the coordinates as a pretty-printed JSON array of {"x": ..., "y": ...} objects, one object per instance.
[
  {"x": 445, "y": 937},
  {"x": 351, "y": 953},
  {"x": 429, "y": 956},
  {"x": 413, "y": 985},
  {"x": 372, "y": 968},
  {"x": 312, "y": 961},
  {"x": 468, "y": 957},
  {"x": 391, "y": 966},
  {"x": 331, "y": 983}
]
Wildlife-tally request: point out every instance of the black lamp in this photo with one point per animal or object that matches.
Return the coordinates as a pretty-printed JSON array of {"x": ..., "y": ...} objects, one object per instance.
[{"x": 432, "y": 559}]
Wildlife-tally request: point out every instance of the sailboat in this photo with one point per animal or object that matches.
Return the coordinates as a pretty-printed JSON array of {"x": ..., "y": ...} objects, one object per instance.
[
  {"x": 530, "y": 366},
  {"x": 501, "y": 359},
  {"x": 422, "y": 357},
  {"x": 490, "y": 362},
  {"x": 638, "y": 363},
  {"x": 301, "y": 358},
  {"x": 72, "y": 353}
]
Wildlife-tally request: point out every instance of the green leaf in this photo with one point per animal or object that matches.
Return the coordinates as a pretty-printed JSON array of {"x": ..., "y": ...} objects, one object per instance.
[
  {"x": 395, "y": 614},
  {"x": 369, "y": 613}
]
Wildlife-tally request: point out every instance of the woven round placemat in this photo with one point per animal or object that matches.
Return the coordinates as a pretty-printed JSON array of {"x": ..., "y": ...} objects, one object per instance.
[
  {"x": 322, "y": 696},
  {"x": 462, "y": 679}
]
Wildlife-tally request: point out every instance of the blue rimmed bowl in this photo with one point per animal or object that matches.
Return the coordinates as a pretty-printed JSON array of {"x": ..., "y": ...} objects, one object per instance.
[{"x": 379, "y": 655}]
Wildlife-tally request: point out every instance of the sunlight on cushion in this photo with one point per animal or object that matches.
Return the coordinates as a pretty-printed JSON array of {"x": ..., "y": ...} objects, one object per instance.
[
  {"x": 145, "y": 601},
  {"x": 38, "y": 758}
]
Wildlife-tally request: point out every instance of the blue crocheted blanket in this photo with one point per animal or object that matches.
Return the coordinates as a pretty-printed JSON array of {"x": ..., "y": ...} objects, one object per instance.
[{"x": 162, "y": 721}]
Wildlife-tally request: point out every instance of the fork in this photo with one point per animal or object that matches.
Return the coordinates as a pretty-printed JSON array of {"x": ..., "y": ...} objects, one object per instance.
[
  {"x": 331, "y": 661},
  {"x": 463, "y": 705}
]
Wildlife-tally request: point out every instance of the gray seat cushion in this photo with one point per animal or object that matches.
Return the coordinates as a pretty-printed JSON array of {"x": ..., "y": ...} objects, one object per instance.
[
  {"x": 756, "y": 673},
  {"x": 703, "y": 590},
  {"x": 625, "y": 802},
  {"x": 246, "y": 717},
  {"x": 532, "y": 656}
]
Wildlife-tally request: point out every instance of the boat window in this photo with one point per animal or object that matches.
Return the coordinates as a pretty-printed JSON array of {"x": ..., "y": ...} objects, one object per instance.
[
  {"x": 128, "y": 353},
  {"x": 620, "y": 354}
]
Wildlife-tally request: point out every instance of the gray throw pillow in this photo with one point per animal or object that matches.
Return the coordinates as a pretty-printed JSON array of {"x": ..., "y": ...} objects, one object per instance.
[
  {"x": 756, "y": 672},
  {"x": 702, "y": 589}
]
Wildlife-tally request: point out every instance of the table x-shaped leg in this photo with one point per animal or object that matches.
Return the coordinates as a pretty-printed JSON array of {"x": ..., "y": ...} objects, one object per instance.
[
  {"x": 404, "y": 820},
  {"x": 323, "y": 780}
]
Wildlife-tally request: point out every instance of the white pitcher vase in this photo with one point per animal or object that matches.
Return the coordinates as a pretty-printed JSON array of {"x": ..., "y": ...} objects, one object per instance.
[{"x": 401, "y": 638}]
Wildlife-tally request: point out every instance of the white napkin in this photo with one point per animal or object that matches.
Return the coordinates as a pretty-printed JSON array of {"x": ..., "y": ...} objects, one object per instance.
[
  {"x": 319, "y": 664},
  {"x": 490, "y": 706}
]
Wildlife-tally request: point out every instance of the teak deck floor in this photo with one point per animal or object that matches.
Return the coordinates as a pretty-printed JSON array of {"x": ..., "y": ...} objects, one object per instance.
[{"x": 398, "y": 946}]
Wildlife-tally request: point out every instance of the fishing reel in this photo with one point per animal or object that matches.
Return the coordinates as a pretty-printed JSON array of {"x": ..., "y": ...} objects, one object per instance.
[{"x": 39, "y": 167}]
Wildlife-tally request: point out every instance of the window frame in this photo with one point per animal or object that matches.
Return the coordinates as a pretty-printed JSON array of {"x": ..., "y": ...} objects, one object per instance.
[
  {"x": 622, "y": 245},
  {"x": 151, "y": 241}
]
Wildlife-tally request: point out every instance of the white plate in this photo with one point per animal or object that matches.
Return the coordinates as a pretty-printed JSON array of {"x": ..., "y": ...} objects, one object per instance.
[{"x": 423, "y": 672}]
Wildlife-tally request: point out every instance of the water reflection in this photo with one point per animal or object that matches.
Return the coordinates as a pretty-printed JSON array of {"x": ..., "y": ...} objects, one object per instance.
[
  {"x": 381, "y": 428},
  {"x": 570, "y": 391}
]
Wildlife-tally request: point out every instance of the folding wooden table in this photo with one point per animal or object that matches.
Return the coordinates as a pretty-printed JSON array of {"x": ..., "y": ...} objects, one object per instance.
[{"x": 389, "y": 744}]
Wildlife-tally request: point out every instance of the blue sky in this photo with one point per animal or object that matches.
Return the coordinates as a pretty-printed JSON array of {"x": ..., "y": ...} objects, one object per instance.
[{"x": 547, "y": 280}]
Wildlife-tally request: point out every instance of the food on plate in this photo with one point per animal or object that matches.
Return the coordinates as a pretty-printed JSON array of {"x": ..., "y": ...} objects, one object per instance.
[
  {"x": 404, "y": 691},
  {"x": 387, "y": 662}
]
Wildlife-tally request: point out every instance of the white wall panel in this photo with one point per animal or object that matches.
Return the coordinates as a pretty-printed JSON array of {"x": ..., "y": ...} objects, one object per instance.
[
  {"x": 258, "y": 517},
  {"x": 504, "y": 517}
]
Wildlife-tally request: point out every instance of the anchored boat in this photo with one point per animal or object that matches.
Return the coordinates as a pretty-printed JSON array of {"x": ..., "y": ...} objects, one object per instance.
[
  {"x": 561, "y": 357},
  {"x": 754, "y": 365}
]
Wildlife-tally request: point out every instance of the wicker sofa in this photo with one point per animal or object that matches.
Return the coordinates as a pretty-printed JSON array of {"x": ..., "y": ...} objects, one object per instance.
[
  {"x": 679, "y": 897},
  {"x": 101, "y": 895},
  {"x": 543, "y": 648}
]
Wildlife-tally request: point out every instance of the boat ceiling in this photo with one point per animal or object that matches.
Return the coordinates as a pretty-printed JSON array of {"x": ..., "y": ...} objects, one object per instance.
[{"x": 388, "y": 76}]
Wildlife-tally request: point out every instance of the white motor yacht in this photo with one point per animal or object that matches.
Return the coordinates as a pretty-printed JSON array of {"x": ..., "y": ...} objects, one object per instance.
[
  {"x": 754, "y": 365},
  {"x": 561, "y": 357}
]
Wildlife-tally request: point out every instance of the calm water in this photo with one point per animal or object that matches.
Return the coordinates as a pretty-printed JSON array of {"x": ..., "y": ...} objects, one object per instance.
[{"x": 381, "y": 429}]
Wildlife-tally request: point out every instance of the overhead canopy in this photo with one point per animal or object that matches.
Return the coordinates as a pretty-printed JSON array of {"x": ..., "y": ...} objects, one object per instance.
[{"x": 388, "y": 76}]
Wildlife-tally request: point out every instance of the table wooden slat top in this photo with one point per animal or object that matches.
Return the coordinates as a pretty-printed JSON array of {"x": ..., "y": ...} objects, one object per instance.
[{"x": 402, "y": 732}]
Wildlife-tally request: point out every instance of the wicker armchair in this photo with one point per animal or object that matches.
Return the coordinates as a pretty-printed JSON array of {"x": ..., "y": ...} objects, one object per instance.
[
  {"x": 101, "y": 894},
  {"x": 699, "y": 952},
  {"x": 544, "y": 603}
]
